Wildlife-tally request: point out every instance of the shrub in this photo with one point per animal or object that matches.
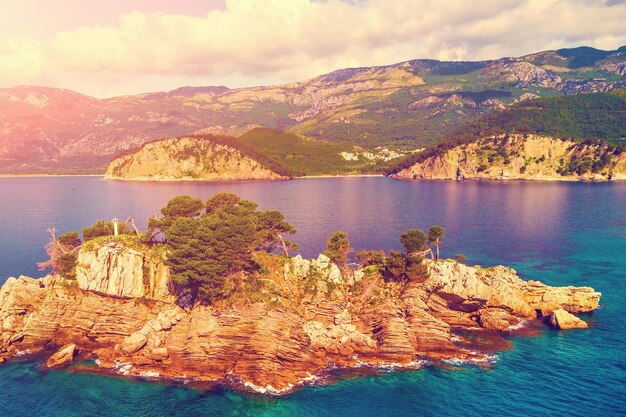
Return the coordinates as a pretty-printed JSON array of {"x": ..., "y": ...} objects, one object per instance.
[{"x": 103, "y": 228}]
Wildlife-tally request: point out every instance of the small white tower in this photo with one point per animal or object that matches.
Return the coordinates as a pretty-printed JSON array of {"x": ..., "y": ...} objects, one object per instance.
[{"x": 115, "y": 230}]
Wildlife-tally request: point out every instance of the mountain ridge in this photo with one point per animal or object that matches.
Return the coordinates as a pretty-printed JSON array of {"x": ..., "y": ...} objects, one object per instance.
[{"x": 405, "y": 105}]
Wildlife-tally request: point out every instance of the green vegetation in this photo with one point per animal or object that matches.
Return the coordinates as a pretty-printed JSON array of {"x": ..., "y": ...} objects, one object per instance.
[
  {"x": 413, "y": 241},
  {"x": 593, "y": 118},
  {"x": 63, "y": 253},
  {"x": 205, "y": 248},
  {"x": 305, "y": 156},
  {"x": 370, "y": 257},
  {"x": 102, "y": 228},
  {"x": 225, "y": 248},
  {"x": 579, "y": 116},
  {"x": 204, "y": 251},
  {"x": 583, "y": 56},
  {"x": 435, "y": 237},
  {"x": 286, "y": 154},
  {"x": 408, "y": 265},
  {"x": 338, "y": 247}
]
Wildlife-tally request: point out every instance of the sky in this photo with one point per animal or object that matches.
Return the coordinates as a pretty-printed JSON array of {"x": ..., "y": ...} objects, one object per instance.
[{"x": 118, "y": 47}]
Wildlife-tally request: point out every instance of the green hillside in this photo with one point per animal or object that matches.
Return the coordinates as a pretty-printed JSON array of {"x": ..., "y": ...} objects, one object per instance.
[
  {"x": 288, "y": 154},
  {"x": 304, "y": 156},
  {"x": 583, "y": 117}
]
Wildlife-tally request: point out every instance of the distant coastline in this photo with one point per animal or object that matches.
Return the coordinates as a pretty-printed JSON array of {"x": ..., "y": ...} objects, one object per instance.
[
  {"x": 339, "y": 176},
  {"x": 49, "y": 175}
]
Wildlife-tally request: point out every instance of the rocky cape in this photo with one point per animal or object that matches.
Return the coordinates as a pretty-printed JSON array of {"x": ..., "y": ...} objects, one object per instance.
[
  {"x": 522, "y": 157},
  {"x": 286, "y": 326},
  {"x": 188, "y": 158}
]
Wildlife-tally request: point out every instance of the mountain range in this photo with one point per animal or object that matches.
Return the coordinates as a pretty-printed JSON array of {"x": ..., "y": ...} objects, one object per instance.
[{"x": 402, "y": 106}]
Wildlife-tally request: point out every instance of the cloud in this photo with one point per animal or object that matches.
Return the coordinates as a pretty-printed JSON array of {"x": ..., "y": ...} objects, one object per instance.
[{"x": 261, "y": 41}]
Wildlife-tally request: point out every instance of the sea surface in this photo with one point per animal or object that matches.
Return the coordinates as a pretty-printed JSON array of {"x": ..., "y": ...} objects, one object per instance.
[{"x": 559, "y": 233}]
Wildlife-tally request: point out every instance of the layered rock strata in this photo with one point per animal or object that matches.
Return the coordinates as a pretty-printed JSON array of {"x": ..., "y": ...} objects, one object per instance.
[{"x": 303, "y": 318}]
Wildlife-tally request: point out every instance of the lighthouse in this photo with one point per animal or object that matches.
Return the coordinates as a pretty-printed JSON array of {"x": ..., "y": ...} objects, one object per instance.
[{"x": 115, "y": 230}]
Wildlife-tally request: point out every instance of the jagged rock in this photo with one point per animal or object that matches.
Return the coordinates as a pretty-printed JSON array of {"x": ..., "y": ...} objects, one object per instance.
[
  {"x": 572, "y": 299},
  {"x": 497, "y": 319},
  {"x": 562, "y": 320},
  {"x": 126, "y": 273},
  {"x": 524, "y": 73},
  {"x": 322, "y": 266},
  {"x": 158, "y": 354},
  {"x": 133, "y": 343},
  {"x": 282, "y": 342},
  {"x": 544, "y": 309},
  {"x": 62, "y": 357}
]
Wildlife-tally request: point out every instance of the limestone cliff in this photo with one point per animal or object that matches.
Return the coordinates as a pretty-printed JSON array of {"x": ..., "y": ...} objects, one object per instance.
[
  {"x": 187, "y": 158},
  {"x": 276, "y": 330},
  {"x": 522, "y": 157},
  {"x": 117, "y": 270}
]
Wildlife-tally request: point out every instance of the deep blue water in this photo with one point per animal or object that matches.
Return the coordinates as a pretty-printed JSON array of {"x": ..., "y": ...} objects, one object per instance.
[{"x": 560, "y": 233}]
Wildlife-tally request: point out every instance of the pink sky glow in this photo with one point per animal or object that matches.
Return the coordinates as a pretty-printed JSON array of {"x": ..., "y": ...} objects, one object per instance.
[{"x": 125, "y": 47}]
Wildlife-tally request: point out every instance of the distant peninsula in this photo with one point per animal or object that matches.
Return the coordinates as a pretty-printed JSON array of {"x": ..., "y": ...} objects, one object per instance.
[
  {"x": 210, "y": 294},
  {"x": 522, "y": 157},
  {"x": 192, "y": 158}
]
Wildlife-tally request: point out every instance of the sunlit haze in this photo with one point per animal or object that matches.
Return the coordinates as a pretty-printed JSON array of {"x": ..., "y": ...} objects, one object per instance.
[{"x": 126, "y": 47}]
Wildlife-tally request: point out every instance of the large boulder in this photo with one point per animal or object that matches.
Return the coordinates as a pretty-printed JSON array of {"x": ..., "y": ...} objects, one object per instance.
[
  {"x": 133, "y": 343},
  {"x": 497, "y": 319},
  {"x": 562, "y": 320},
  {"x": 62, "y": 357}
]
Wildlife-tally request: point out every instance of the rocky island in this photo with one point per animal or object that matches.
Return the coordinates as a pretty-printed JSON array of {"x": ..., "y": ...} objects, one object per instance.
[{"x": 202, "y": 297}]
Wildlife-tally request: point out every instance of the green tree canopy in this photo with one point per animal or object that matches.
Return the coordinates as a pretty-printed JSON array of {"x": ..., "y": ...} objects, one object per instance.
[
  {"x": 272, "y": 228},
  {"x": 338, "y": 247},
  {"x": 204, "y": 251},
  {"x": 413, "y": 240},
  {"x": 221, "y": 200},
  {"x": 415, "y": 269},
  {"x": 395, "y": 265},
  {"x": 371, "y": 257},
  {"x": 70, "y": 239},
  {"x": 435, "y": 237},
  {"x": 183, "y": 206},
  {"x": 63, "y": 254}
]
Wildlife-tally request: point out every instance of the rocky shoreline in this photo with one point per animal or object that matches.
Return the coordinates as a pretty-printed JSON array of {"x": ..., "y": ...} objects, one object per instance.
[{"x": 307, "y": 320}]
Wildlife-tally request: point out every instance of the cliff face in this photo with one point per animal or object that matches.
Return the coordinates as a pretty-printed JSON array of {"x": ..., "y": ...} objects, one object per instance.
[
  {"x": 116, "y": 270},
  {"x": 187, "y": 159},
  {"x": 527, "y": 157},
  {"x": 303, "y": 318}
]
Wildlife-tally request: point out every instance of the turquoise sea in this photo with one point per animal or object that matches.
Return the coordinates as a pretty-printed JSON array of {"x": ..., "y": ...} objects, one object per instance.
[{"x": 560, "y": 233}]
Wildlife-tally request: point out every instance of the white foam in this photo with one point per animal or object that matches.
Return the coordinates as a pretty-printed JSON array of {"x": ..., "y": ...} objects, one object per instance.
[
  {"x": 491, "y": 359},
  {"x": 122, "y": 368},
  {"x": 521, "y": 324},
  {"x": 268, "y": 389}
]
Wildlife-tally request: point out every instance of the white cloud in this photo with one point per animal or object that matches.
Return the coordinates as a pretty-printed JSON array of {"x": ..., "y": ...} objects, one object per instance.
[{"x": 267, "y": 41}]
